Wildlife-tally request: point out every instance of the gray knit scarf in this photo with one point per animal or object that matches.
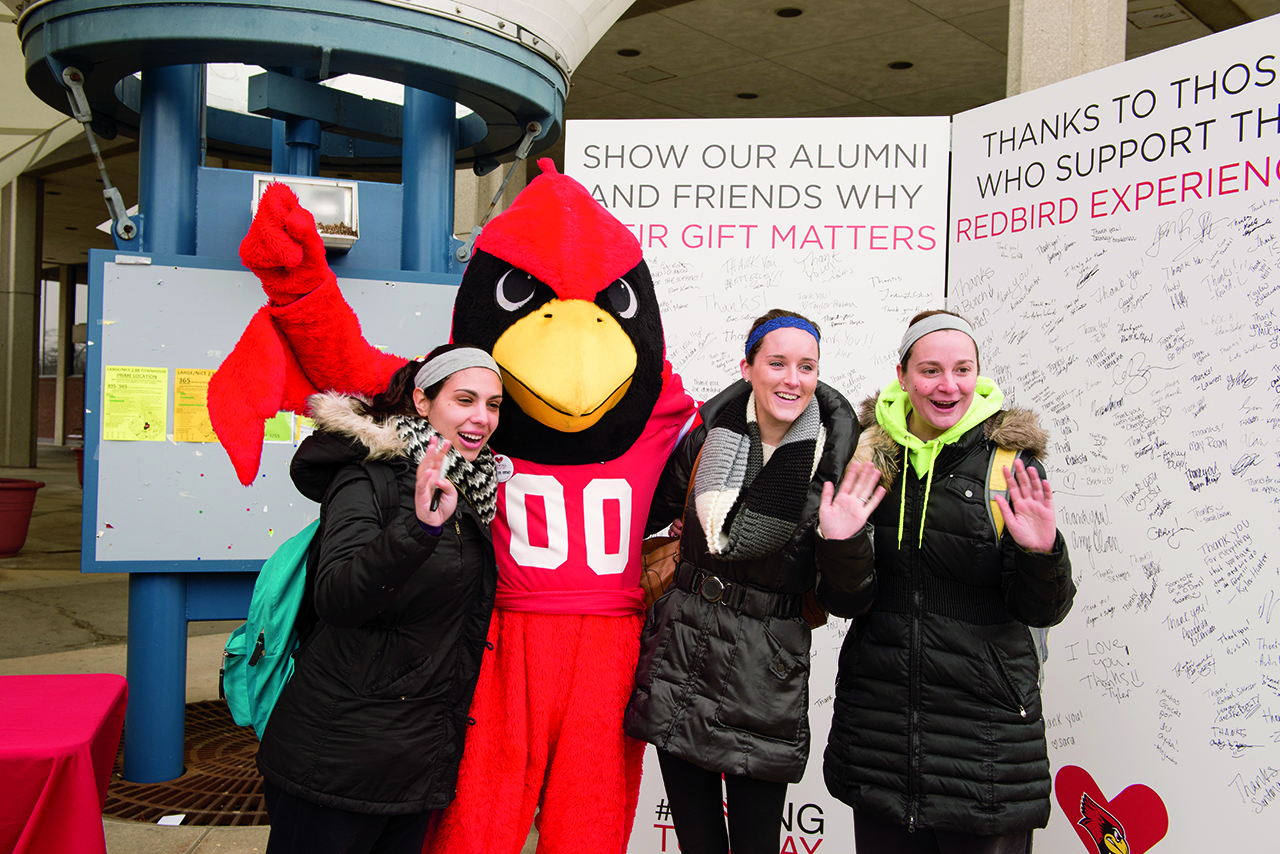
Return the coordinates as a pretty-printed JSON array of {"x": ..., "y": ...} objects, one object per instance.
[
  {"x": 748, "y": 509},
  {"x": 475, "y": 479}
]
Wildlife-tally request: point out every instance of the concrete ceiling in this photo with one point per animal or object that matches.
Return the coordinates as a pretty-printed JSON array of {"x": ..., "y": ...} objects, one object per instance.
[{"x": 722, "y": 59}]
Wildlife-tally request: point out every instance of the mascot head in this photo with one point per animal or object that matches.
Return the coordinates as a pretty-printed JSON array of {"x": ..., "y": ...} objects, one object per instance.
[{"x": 559, "y": 292}]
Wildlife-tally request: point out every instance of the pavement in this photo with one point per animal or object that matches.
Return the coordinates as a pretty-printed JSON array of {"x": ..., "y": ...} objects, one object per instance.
[{"x": 55, "y": 619}]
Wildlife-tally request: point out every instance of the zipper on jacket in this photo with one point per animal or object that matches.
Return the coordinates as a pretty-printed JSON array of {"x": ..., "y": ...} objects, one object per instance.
[
  {"x": 462, "y": 554},
  {"x": 1008, "y": 682},
  {"x": 914, "y": 665}
]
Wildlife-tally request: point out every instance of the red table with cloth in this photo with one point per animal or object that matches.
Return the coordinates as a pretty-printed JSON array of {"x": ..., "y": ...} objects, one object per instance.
[{"x": 58, "y": 742}]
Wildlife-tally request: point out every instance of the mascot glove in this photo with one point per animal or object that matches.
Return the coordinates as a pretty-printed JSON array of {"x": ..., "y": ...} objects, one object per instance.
[{"x": 283, "y": 247}]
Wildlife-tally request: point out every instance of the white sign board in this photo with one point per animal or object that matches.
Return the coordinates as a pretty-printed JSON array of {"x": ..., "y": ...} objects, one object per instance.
[
  {"x": 842, "y": 220},
  {"x": 1116, "y": 240}
]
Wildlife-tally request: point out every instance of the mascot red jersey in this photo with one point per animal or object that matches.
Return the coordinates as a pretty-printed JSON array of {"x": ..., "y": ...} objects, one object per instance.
[{"x": 559, "y": 292}]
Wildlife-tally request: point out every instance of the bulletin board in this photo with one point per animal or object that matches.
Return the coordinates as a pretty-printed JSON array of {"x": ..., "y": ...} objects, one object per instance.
[{"x": 160, "y": 492}]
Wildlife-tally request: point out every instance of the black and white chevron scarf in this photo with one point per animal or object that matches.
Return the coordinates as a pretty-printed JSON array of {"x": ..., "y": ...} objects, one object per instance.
[
  {"x": 475, "y": 479},
  {"x": 748, "y": 509}
]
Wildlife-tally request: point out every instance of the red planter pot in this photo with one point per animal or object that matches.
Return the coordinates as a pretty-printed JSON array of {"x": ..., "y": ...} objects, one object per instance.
[{"x": 17, "y": 498}]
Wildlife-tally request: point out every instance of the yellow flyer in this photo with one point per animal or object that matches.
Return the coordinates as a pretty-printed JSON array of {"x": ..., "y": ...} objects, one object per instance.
[
  {"x": 134, "y": 403},
  {"x": 191, "y": 405},
  {"x": 305, "y": 428},
  {"x": 279, "y": 428}
]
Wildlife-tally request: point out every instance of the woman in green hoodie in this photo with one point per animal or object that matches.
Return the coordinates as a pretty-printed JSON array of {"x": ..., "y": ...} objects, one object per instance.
[{"x": 937, "y": 740}]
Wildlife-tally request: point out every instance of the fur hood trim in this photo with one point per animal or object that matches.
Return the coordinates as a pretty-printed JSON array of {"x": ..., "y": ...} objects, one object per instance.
[
  {"x": 1017, "y": 429},
  {"x": 343, "y": 415}
]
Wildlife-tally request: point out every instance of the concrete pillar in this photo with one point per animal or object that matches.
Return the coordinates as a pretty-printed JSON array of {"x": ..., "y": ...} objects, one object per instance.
[
  {"x": 473, "y": 194},
  {"x": 1053, "y": 40},
  {"x": 20, "y": 218}
]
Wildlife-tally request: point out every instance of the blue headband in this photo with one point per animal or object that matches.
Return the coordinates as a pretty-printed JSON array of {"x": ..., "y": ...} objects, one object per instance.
[{"x": 780, "y": 323}]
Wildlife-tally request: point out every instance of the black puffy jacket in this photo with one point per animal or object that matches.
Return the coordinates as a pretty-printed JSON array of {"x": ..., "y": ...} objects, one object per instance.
[
  {"x": 937, "y": 719},
  {"x": 722, "y": 689},
  {"x": 375, "y": 715}
]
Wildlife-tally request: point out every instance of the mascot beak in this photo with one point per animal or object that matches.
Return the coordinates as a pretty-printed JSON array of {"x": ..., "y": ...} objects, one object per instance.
[{"x": 566, "y": 364}]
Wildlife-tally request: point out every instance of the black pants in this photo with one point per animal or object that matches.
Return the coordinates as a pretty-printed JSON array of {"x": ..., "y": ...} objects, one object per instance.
[
  {"x": 698, "y": 810},
  {"x": 301, "y": 827},
  {"x": 875, "y": 835}
]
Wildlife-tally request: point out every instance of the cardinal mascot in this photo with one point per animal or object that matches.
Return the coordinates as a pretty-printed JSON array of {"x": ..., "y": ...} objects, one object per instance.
[{"x": 559, "y": 293}]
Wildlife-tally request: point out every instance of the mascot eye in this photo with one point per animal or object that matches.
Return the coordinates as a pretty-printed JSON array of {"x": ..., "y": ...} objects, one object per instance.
[
  {"x": 623, "y": 299},
  {"x": 513, "y": 292}
]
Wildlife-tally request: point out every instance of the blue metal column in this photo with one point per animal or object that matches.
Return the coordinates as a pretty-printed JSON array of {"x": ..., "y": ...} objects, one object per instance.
[
  {"x": 168, "y": 156},
  {"x": 428, "y": 146},
  {"x": 302, "y": 142},
  {"x": 169, "y": 151},
  {"x": 156, "y": 667},
  {"x": 279, "y": 151}
]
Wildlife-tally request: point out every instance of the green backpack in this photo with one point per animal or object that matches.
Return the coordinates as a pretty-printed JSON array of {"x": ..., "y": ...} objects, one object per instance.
[{"x": 257, "y": 659}]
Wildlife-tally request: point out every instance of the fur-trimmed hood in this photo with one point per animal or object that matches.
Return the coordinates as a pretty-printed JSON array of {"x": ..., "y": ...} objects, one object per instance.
[
  {"x": 1017, "y": 429},
  {"x": 343, "y": 415},
  {"x": 344, "y": 435}
]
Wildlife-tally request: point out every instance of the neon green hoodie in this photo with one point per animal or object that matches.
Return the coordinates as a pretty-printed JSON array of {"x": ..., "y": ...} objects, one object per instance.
[{"x": 892, "y": 410}]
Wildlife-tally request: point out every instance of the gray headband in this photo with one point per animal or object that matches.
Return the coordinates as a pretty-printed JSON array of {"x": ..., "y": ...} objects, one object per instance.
[
  {"x": 933, "y": 323},
  {"x": 447, "y": 364}
]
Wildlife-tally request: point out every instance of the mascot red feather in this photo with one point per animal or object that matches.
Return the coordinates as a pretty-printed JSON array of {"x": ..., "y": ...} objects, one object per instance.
[{"x": 560, "y": 294}]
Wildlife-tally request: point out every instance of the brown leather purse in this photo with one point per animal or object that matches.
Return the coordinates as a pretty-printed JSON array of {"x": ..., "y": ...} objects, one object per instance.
[
  {"x": 812, "y": 611},
  {"x": 661, "y": 555}
]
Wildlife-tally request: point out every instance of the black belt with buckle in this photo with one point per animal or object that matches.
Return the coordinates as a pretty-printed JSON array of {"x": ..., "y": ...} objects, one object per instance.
[{"x": 739, "y": 597}]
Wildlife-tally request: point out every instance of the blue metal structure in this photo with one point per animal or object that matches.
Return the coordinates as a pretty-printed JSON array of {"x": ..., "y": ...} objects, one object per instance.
[
  {"x": 507, "y": 83},
  {"x": 297, "y": 124}
]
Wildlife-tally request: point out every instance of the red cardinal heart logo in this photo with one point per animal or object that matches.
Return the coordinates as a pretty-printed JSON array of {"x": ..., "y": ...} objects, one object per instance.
[{"x": 1131, "y": 823}]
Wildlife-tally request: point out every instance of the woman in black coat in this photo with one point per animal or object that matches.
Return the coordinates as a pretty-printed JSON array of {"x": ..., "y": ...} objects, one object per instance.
[
  {"x": 937, "y": 739},
  {"x": 364, "y": 743},
  {"x": 722, "y": 681}
]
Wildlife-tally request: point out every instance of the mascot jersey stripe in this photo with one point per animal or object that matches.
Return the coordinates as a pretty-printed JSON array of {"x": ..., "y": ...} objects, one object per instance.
[{"x": 568, "y": 537}]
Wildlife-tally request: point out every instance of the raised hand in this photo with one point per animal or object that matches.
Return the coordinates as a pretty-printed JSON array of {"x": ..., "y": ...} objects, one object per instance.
[
  {"x": 1030, "y": 520},
  {"x": 844, "y": 511},
  {"x": 283, "y": 247},
  {"x": 430, "y": 478}
]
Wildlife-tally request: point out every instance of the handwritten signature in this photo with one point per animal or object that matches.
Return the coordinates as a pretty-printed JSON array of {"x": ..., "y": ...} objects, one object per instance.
[
  {"x": 1169, "y": 535},
  {"x": 1245, "y": 463}
]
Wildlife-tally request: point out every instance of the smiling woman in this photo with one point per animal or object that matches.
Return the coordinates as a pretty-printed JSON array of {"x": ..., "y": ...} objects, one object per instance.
[
  {"x": 937, "y": 739},
  {"x": 763, "y": 523},
  {"x": 782, "y": 379},
  {"x": 362, "y": 748}
]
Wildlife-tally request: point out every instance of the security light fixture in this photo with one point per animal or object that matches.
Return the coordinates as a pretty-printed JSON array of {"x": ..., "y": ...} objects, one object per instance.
[{"x": 334, "y": 204}]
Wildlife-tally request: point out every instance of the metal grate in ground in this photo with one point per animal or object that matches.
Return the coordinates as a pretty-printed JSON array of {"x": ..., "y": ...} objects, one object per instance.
[{"x": 220, "y": 785}]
